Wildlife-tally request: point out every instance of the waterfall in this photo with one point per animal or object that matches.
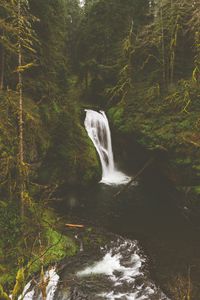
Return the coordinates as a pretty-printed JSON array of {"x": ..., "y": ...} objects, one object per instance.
[{"x": 97, "y": 126}]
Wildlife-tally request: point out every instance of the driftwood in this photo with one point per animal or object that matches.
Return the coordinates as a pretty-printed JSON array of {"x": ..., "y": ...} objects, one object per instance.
[
  {"x": 148, "y": 163},
  {"x": 74, "y": 225}
]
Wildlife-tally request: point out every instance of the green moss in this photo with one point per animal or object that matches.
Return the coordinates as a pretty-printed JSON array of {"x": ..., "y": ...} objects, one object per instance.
[
  {"x": 52, "y": 248},
  {"x": 183, "y": 161},
  {"x": 19, "y": 285},
  {"x": 71, "y": 158},
  {"x": 59, "y": 245},
  {"x": 89, "y": 169},
  {"x": 62, "y": 246},
  {"x": 197, "y": 190},
  {"x": 116, "y": 115},
  {"x": 8, "y": 277},
  {"x": 196, "y": 167},
  {"x": 3, "y": 295}
]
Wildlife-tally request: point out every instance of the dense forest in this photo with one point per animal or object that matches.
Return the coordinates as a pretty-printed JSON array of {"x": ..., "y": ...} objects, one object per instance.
[{"x": 139, "y": 60}]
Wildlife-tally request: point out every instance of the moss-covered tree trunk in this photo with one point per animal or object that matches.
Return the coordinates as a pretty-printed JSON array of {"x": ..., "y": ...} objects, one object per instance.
[
  {"x": 163, "y": 46},
  {"x": 20, "y": 117},
  {"x": 2, "y": 62}
]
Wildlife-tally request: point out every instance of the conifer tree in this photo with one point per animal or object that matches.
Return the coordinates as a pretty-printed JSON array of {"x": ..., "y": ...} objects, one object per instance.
[
  {"x": 25, "y": 39},
  {"x": 194, "y": 25},
  {"x": 19, "y": 37}
]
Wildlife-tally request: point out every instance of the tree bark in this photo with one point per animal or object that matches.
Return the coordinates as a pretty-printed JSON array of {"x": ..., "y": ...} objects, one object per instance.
[
  {"x": 163, "y": 45},
  {"x": 2, "y": 64},
  {"x": 20, "y": 90}
]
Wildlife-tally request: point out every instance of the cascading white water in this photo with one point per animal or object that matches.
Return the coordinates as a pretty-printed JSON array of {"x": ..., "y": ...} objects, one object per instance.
[
  {"x": 32, "y": 293},
  {"x": 123, "y": 265},
  {"x": 97, "y": 126}
]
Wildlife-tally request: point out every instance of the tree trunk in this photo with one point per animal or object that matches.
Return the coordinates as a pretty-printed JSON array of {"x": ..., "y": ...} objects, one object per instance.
[
  {"x": 2, "y": 64},
  {"x": 163, "y": 46},
  {"x": 20, "y": 90}
]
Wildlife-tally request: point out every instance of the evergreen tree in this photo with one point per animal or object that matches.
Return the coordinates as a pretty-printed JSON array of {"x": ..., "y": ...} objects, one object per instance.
[
  {"x": 104, "y": 27},
  {"x": 18, "y": 24},
  {"x": 56, "y": 32},
  {"x": 194, "y": 26}
]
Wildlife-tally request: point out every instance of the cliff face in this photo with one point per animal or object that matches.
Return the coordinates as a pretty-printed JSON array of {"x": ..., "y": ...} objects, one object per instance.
[{"x": 146, "y": 129}]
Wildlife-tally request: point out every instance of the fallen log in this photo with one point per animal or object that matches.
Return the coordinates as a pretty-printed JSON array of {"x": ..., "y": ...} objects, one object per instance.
[{"x": 75, "y": 225}]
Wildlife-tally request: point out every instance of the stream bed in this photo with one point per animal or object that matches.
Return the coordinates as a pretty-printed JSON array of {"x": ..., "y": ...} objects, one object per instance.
[{"x": 117, "y": 270}]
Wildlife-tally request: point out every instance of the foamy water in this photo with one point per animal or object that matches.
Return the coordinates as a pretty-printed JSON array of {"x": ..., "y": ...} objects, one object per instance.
[
  {"x": 123, "y": 265},
  {"x": 121, "y": 273}
]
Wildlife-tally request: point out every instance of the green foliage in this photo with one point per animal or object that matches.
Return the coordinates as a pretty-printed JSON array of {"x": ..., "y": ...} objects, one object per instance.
[
  {"x": 70, "y": 158},
  {"x": 50, "y": 245},
  {"x": 38, "y": 242},
  {"x": 9, "y": 229},
  {"x": 181, "y": 99},
  {"x": 19, "y": 285},
  {"x": 3, "y": 295},
  {"x": 116, "y": 115},
  {"x": 197, "y": 190},
  {"x": 126, "y": 75},
  {"x": 64, "y": 246},
  {"x": 35, "y": 142},
  {"x": 101, "y": 32}
]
